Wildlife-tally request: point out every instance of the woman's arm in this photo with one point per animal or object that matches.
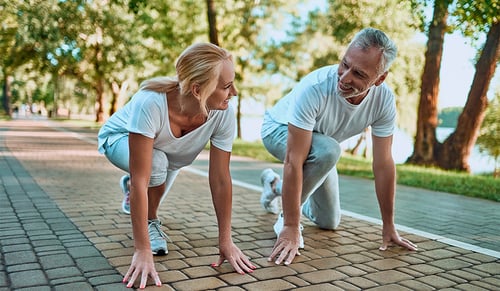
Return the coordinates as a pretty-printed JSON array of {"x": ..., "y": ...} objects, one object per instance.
[
  {"x": 142, "y": 266},
  {"x": 221, "y": 187}
]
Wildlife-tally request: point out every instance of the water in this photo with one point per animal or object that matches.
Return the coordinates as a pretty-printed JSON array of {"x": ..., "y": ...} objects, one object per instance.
[{"x": 401, "y": 150}]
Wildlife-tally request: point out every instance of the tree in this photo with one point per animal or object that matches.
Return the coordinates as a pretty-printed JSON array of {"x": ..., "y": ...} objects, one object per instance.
[
  {"x": 46, "y": 35},
  {"x": 110, "y": 46},
  {"x": 456, "y": 148},
  {"x": 16, "y": 49},
  {"x": 243, "y": 24},
  {"x": 427, "y": 120},
  {"x": 471, "y": 17},
  {"x": 489, "y": 137},
  {"x": 213, "y": 32}
]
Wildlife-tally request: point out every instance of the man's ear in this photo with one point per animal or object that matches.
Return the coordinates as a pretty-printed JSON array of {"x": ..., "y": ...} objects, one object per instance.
[
  {"x": 381, "y": 79},
  {"x": 195, "y": 90}
]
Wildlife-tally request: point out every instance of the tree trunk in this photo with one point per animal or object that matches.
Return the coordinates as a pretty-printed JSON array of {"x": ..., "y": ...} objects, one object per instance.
[
  {"x": 361, "y": 139},
  {"x": 115, "y": 93},
  {"x": 6, "y": 94},
  {"x": 212, "y": 22},
  {"x": 456, "y": 149},
  {"x": 99, "y": 88},
  {"x": 425, "y": 139},
  {"x": 238, "y": 117}
]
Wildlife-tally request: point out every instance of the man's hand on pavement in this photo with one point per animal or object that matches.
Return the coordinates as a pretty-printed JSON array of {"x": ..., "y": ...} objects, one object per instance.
[{"x": 286, "y": 246}]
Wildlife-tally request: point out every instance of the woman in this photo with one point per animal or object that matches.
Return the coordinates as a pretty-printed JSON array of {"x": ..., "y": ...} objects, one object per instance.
[{"x": 163, "y": 128}]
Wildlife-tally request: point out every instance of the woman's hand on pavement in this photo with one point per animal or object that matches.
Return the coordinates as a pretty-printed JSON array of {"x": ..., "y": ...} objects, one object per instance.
[{"x": 142, "y": 267}]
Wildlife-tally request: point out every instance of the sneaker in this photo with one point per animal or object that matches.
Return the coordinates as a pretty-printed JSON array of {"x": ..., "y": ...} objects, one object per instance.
[
  {"x": 278, "y": 227},
  {"x": 267, "y": 198},
  {"x": 157, "y": 238},
  {"x": 126, "y": 193}
]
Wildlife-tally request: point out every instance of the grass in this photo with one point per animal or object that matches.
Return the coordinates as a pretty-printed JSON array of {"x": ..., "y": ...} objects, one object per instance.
[{"x": 480, "y": 186}]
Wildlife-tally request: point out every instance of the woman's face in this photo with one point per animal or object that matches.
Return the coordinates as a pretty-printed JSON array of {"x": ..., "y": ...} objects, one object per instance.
[{"x": 225, "y": 89}]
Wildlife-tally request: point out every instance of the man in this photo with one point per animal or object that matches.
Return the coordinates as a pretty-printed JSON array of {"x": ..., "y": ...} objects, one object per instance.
[{"x": 304, "y": 130}]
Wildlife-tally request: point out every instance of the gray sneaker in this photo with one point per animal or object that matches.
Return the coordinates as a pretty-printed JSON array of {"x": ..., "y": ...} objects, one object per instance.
[
  {"x": 126, "y": 194},
  {"x": 157, "y": 238}
]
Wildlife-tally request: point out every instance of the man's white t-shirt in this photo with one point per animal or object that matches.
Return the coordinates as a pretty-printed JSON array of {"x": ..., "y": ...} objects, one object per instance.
[
  {"x": 314, "y": 105},
  {"x": 147, "y": 114}
]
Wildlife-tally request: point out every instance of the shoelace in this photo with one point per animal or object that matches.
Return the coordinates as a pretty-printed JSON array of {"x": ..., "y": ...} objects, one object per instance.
[{"x": 155, "y": 231}]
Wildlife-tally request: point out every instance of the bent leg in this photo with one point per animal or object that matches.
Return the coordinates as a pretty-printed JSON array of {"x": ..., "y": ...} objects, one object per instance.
[
  {"x": 323, "y": 206},
  {"x": 160, "y": 182},
  {"x": 320, "y": 191}
]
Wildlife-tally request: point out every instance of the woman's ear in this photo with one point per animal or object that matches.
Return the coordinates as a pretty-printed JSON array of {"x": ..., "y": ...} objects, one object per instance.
[{"x": 195, "y": 90}]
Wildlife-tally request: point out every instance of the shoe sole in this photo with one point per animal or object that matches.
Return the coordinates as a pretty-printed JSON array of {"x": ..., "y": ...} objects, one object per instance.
[{"x": 160, "y": 253}]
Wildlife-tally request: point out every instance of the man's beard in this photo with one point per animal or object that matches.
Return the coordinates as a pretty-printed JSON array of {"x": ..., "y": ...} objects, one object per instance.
[{"x": 354, "y": 93}]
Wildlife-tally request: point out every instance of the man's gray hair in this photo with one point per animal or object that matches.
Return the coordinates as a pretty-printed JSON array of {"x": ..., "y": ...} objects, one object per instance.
[{"x": 371, "y": 37}]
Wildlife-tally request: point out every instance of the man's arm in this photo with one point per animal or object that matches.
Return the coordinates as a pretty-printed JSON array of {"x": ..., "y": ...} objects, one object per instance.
[
  {"x": 298, "y": 146},
  {"x": 384, "y": 171}
]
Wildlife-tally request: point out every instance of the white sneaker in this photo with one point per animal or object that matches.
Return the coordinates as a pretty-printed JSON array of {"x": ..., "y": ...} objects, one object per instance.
[
  {"x": 157, "y": 238},
  {"x": 278, "y": 227},
  {"x": 267, "y": 198}
]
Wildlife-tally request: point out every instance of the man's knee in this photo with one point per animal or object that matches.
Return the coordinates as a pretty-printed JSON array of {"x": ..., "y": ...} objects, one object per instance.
[
  {"x": 325, "y": 152},
  {"x": 330, "y": 223}
]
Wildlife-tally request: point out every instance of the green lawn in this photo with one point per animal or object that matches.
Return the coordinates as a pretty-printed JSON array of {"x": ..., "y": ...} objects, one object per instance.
[{"x": 482, "y": 186}]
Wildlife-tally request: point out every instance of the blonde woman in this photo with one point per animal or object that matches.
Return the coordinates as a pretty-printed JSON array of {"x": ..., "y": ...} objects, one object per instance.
[{"x": 163, "y": 128}]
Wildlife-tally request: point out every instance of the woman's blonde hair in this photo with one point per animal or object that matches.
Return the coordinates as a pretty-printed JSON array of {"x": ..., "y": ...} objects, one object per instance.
[{"x": 199, "y": 64}]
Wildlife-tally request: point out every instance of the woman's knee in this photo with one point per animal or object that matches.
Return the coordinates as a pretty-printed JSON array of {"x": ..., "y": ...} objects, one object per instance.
[{"x": 159, "y": 168}]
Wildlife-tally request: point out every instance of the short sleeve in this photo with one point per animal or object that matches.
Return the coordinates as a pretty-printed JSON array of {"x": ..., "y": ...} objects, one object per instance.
[
  {"x": 147, "y": 111},
  {"x": 386, "y": 124},
  {"x": 305, "y": 106},
  {"x": 225, "y": 131}
]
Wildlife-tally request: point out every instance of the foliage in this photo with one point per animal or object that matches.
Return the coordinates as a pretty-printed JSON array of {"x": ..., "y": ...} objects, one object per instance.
[
  {"x": 448, "y": 117},
  {"x": 489, "y": 138},
  {"x": 474, "y": 17}
]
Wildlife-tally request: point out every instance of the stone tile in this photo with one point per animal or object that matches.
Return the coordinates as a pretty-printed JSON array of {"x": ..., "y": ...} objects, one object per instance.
[
  {"x": 199, "y": 284},
  {"x": 77, "y": 237}
]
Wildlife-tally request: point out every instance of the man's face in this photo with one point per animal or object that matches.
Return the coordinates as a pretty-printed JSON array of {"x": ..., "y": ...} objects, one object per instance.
[{"x": 358, "y": 72}]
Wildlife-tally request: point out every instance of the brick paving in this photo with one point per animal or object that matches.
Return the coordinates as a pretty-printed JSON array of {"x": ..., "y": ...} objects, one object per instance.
[{"x": 61, "y": 229}]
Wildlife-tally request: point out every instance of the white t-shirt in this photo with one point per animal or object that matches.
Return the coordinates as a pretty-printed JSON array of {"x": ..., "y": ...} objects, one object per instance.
[
  {"x": 147, "y": 114},
  {"x": 314, "y": 105}
]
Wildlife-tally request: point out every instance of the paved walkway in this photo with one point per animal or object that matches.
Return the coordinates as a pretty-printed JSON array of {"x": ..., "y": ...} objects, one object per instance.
[{"x": 61, "y": 228}]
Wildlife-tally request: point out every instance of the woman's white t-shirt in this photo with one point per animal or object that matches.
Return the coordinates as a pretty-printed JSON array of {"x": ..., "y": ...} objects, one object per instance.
[
  {"x": 147, "y": 114},
  {"x": 314, "y": 105}
]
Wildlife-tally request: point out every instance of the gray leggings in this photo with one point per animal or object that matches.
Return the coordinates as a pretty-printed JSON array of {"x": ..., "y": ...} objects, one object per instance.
[
  {"x": 320, "y": 189},
  {"x": 118, "y": 155}
]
